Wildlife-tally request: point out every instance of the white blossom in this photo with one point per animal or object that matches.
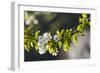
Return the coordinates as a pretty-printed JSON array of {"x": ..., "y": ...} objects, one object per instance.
[
  {"x": 41, "y": 45},
  {"x": 56, "y": 38},
  {"x": 71, "y": 29},
  {"x": 42, "y": 40},
  {"x": 27, "y": 22},
  {"x": 32, "y": 17},
  {"x": 35, "y": 21},
  {"x": 54, "y": 54},
  {"x": 45, "y": 34},
  {"x": 42, "y": 49},
  {"x": 47, "y": 37}
]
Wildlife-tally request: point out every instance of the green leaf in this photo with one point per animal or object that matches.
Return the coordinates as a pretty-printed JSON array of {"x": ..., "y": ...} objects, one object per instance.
[
  {"x": 84, "y": 15},
  {"x": 66, "y": 46},
  {"x": 31, "y": 43},
  {"x": 67, "y": 33},
  {"x": 51, "y": 50},
  {"x": 34, "y": 41},
  {"x": 74, "y": 38},
  {"x": 37, "y": 33},
  {"x": 80, "y": 28},
  {"x": 81, "y": 20},
  {"x": 62, "y": 31},
  {"x": 26, "y": 48},
  {"x": 57, "y": 32},
  {"x": 36, "y": 46},
  {"x": 89, "y": 23},
  {"x": 59, "y": 44},
  {"x": 47, "y": 47},
  {"x": 49, "y": 34}
]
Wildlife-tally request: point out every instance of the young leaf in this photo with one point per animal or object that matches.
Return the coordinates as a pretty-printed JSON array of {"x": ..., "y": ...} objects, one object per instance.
[
  {"x": 74, "y": 38},
  {"x": 50, "y": 50},
  {"x": 47, "y": 47},
  {"x": 59, "y": 44},
  {"x": 31, "y": 43},
  {"x": 80, "y": 28},
  {"x": 37, "y": 33},
  {"x": 57, "y": 32},
  {"x": 36, "y": 46},
  {"x": 55, "y": 51},
  {"x": 80, "y": 20},
  {"x": 25, "y": 47},
  {"x": 66, "y": 46},
  {"x": 84, "y": 15},
  {"x": 62, "y": 31}
]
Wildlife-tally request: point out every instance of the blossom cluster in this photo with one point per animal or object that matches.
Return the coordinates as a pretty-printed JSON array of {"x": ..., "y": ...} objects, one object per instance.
[{"x": 43, "y": 40}]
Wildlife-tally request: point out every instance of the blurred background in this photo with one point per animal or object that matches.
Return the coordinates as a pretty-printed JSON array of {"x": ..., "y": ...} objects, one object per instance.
[{"x": 51, "y": 21}]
